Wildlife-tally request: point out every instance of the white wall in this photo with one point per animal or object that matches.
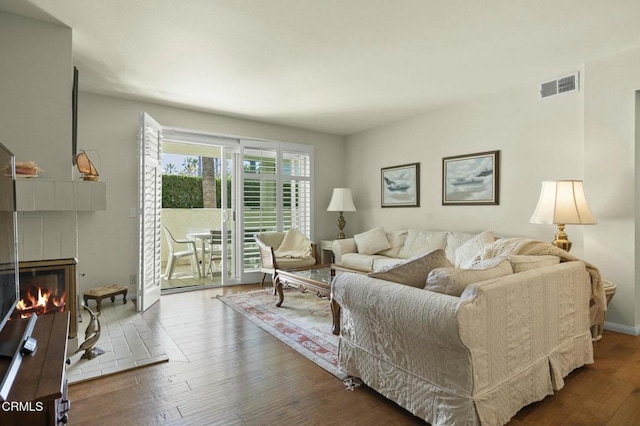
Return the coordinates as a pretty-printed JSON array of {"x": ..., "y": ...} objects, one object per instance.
[
  {"x": 538, "y": 140},
  {"x": 36, "y": 79},
  {"x": 108, "y": 239},
  {"x": 611, "y": 170}
]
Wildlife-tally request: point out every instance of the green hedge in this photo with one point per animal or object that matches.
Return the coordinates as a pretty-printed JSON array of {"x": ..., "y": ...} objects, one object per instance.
[
  {"x": 185, "y": 192},
  {"x": 181, "y": 192}
]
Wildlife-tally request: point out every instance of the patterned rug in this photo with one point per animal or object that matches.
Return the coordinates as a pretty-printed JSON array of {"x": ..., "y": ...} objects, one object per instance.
[{"x": 303, "y": 322}]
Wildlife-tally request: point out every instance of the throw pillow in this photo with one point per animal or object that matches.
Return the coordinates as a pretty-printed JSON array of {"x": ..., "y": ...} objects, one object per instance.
[
  {"x": 465, "y": 254},
  {"x": 372, "y": 241},
  {"x": 414, "y": 272},
  {"x": 521, "y": 263},
  {"x": 421, "y": 242},
  {"x": 453, "y": 281},
  {"x": 396, "y": 240}
]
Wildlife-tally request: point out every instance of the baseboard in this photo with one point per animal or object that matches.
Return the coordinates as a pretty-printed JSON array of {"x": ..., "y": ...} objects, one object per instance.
[{"x": 624, "y": 329}]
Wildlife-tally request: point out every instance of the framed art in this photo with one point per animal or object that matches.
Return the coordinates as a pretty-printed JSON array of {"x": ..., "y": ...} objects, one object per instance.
[
  {"x": 400, "y": 186},
  {"x": 471, "y": 179}
]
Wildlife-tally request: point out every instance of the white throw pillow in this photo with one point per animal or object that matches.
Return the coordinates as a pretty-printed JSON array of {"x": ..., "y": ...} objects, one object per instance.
[
  {"x": 414, "y": 272},
  {"x": 396, "y": 240},
  {"x": 419, "y": 241},
  {"x": 372, "y": 241},
  {"x": 453, "y": 281},
  {"x": 521, "y": 263},
  {"x": 465, "y": 254}
]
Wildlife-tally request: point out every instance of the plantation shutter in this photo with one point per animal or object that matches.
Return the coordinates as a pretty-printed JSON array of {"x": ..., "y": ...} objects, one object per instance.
[
  {"x": 296, "y": 189},
  {"x": 277, "y": 192},
  {"x": 260, "y": 210},
  {"x": 149, "y": 210}
]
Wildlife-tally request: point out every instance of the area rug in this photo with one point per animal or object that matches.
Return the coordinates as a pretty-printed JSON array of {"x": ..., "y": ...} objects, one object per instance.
[{"x": 303, "y": 322}]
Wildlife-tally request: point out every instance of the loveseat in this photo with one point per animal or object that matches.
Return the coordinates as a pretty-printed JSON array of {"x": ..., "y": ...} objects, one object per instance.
[{"x": 465, "y": 351}]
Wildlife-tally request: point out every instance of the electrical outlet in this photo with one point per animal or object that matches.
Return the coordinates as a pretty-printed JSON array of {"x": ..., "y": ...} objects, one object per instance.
[
  {"x": 132, "y": 279},
  {"x": 133, "y": 212}
]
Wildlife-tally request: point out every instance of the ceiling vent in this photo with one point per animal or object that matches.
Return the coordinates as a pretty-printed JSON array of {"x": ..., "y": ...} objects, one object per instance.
[{"x": 564, "y": 84}]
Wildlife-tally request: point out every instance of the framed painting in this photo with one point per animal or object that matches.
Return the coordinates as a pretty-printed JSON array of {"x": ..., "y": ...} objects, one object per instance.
[
  {"x": 471, "y": 179},
  {"x": 400, "y": 186}
]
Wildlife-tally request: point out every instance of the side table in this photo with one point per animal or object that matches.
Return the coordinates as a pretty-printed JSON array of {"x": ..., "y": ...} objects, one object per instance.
[
  {"x": 326, "y": 252},
  {"x": 598, "y": 322}
]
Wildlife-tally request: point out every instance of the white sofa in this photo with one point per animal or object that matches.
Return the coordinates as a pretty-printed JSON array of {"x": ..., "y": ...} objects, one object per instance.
[
  {"x": 479, "y": 356},
  {"x": 400, "y": 245}
]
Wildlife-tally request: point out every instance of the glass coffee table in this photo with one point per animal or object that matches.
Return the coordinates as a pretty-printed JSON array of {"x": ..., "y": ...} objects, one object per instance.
[{"x": 315, "y": 279}]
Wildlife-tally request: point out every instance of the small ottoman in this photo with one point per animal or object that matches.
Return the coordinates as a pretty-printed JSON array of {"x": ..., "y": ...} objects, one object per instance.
[{"x": 99, "y": 293}]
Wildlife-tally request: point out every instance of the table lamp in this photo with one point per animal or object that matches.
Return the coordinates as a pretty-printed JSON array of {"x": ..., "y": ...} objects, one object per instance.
[
  {"x": 341, "y": 201},
  {"x": 562, "y": 203}
]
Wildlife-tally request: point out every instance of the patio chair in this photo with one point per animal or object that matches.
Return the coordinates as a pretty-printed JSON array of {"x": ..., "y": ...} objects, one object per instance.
[
  {"x": 174, "y": 254},
  {"x": 270, "y": 262}
]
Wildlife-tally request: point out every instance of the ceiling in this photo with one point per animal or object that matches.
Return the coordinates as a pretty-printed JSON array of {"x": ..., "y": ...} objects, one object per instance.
[{"x": 336, "y": 66}]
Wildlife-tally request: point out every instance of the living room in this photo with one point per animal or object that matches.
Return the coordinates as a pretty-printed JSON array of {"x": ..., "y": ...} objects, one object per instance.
[{"x": 589, "y": 134}]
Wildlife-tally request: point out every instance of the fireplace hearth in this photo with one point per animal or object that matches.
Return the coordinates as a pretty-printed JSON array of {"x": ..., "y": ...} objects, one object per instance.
[{"x": 48, "y": 286}]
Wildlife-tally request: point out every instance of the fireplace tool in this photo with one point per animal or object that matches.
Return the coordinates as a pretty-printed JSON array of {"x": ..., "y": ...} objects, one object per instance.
[{"x": 91, "y": 336}]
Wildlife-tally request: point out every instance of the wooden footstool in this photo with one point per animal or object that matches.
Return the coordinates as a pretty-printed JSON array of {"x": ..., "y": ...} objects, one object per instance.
[{"x": 99, "y": 293}]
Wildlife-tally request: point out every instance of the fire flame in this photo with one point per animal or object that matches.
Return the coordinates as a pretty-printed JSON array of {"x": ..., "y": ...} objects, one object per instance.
[{"x": 40, "y": 304}]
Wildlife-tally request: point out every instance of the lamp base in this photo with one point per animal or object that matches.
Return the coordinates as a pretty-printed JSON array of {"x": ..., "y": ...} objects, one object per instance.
[
  {"x": 341, "y": 224},
  {"x": 561, "y": 240}
]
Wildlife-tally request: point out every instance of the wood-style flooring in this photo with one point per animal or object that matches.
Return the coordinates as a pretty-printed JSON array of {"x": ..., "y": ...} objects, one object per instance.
[{"x": 223, "y": 370}]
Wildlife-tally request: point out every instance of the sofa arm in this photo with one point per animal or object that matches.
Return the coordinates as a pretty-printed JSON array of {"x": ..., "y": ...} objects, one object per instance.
[
  {"x": 402, "y": 326},
  {"x": 531, "y": 327},
  {"x": 344, "y": 246}
]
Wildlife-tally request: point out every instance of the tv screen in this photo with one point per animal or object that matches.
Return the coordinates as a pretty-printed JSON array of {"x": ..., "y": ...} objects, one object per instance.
[{"x": 8, "y": 237}]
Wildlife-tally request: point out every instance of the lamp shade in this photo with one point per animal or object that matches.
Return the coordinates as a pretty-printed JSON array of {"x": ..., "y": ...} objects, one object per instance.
[
  {"x": 563, "y": 202},
  {"x": 341, "y": 201}
]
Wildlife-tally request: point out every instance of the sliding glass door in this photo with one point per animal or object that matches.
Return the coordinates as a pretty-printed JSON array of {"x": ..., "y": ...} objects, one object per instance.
[{"x": 242, "y": 187}]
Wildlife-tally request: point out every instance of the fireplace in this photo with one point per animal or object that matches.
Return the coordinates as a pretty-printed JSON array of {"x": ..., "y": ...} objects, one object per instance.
[{"x": 48, "y": 286}]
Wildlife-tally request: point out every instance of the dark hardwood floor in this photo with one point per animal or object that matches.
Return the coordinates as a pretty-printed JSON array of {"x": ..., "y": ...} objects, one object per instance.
[{"x": 223, "y": 370}]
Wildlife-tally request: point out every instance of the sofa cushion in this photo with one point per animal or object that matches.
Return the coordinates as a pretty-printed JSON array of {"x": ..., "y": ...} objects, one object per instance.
[
  {"x": 360, "y": 261},
  {"x": 521, "y": 263},
  {"x": 465, "y": 254},
  {"x": 293, "y": 263},
  {"x": 414, "y": 271},
  {"x": 396, "y": 240},
  {"x": 420, "y": 241},
  {"x": 455, "y": 240},
  {"x": 372, "y": 241},
  {"x": 453, "y": 281},
  {"x": 386, "y": 263}
]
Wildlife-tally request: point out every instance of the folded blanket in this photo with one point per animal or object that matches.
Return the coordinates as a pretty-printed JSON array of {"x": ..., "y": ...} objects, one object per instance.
[
  {"x": 525, "y": 246},
  {"x": 294, "y": 245}
]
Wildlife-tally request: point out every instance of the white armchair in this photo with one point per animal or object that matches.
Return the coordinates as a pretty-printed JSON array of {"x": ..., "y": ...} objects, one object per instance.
[{"x": 270, "y": 262}]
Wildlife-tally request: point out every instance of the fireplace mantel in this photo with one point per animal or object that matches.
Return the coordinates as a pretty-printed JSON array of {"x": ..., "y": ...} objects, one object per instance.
[{"x": 54, "y": 195}]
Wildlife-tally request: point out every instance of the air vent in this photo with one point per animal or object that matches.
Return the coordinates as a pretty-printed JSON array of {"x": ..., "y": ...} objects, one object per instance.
[{"x": 564, "y": 84}]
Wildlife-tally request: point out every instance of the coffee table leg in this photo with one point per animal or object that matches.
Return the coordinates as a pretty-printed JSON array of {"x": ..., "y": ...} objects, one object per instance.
[
  {"x": 278, "y": 288},
  {"x": 335, "y": 312}
]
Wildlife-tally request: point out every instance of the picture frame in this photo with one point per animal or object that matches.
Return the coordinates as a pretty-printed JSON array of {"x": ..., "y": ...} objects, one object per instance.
[
  {"x": 471, "y": 179},
  {"x": 400, "y": 185}
]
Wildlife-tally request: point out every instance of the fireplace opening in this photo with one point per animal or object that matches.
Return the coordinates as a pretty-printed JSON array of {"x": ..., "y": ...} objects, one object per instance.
[{"x": 48, "y": 286}]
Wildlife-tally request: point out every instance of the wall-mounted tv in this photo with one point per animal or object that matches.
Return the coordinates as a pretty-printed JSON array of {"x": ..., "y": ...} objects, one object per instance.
[
  {"x": 74, "y": 117},
  {"x": 9, "y": 275},
  {"x": 10, "y": 356}
]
